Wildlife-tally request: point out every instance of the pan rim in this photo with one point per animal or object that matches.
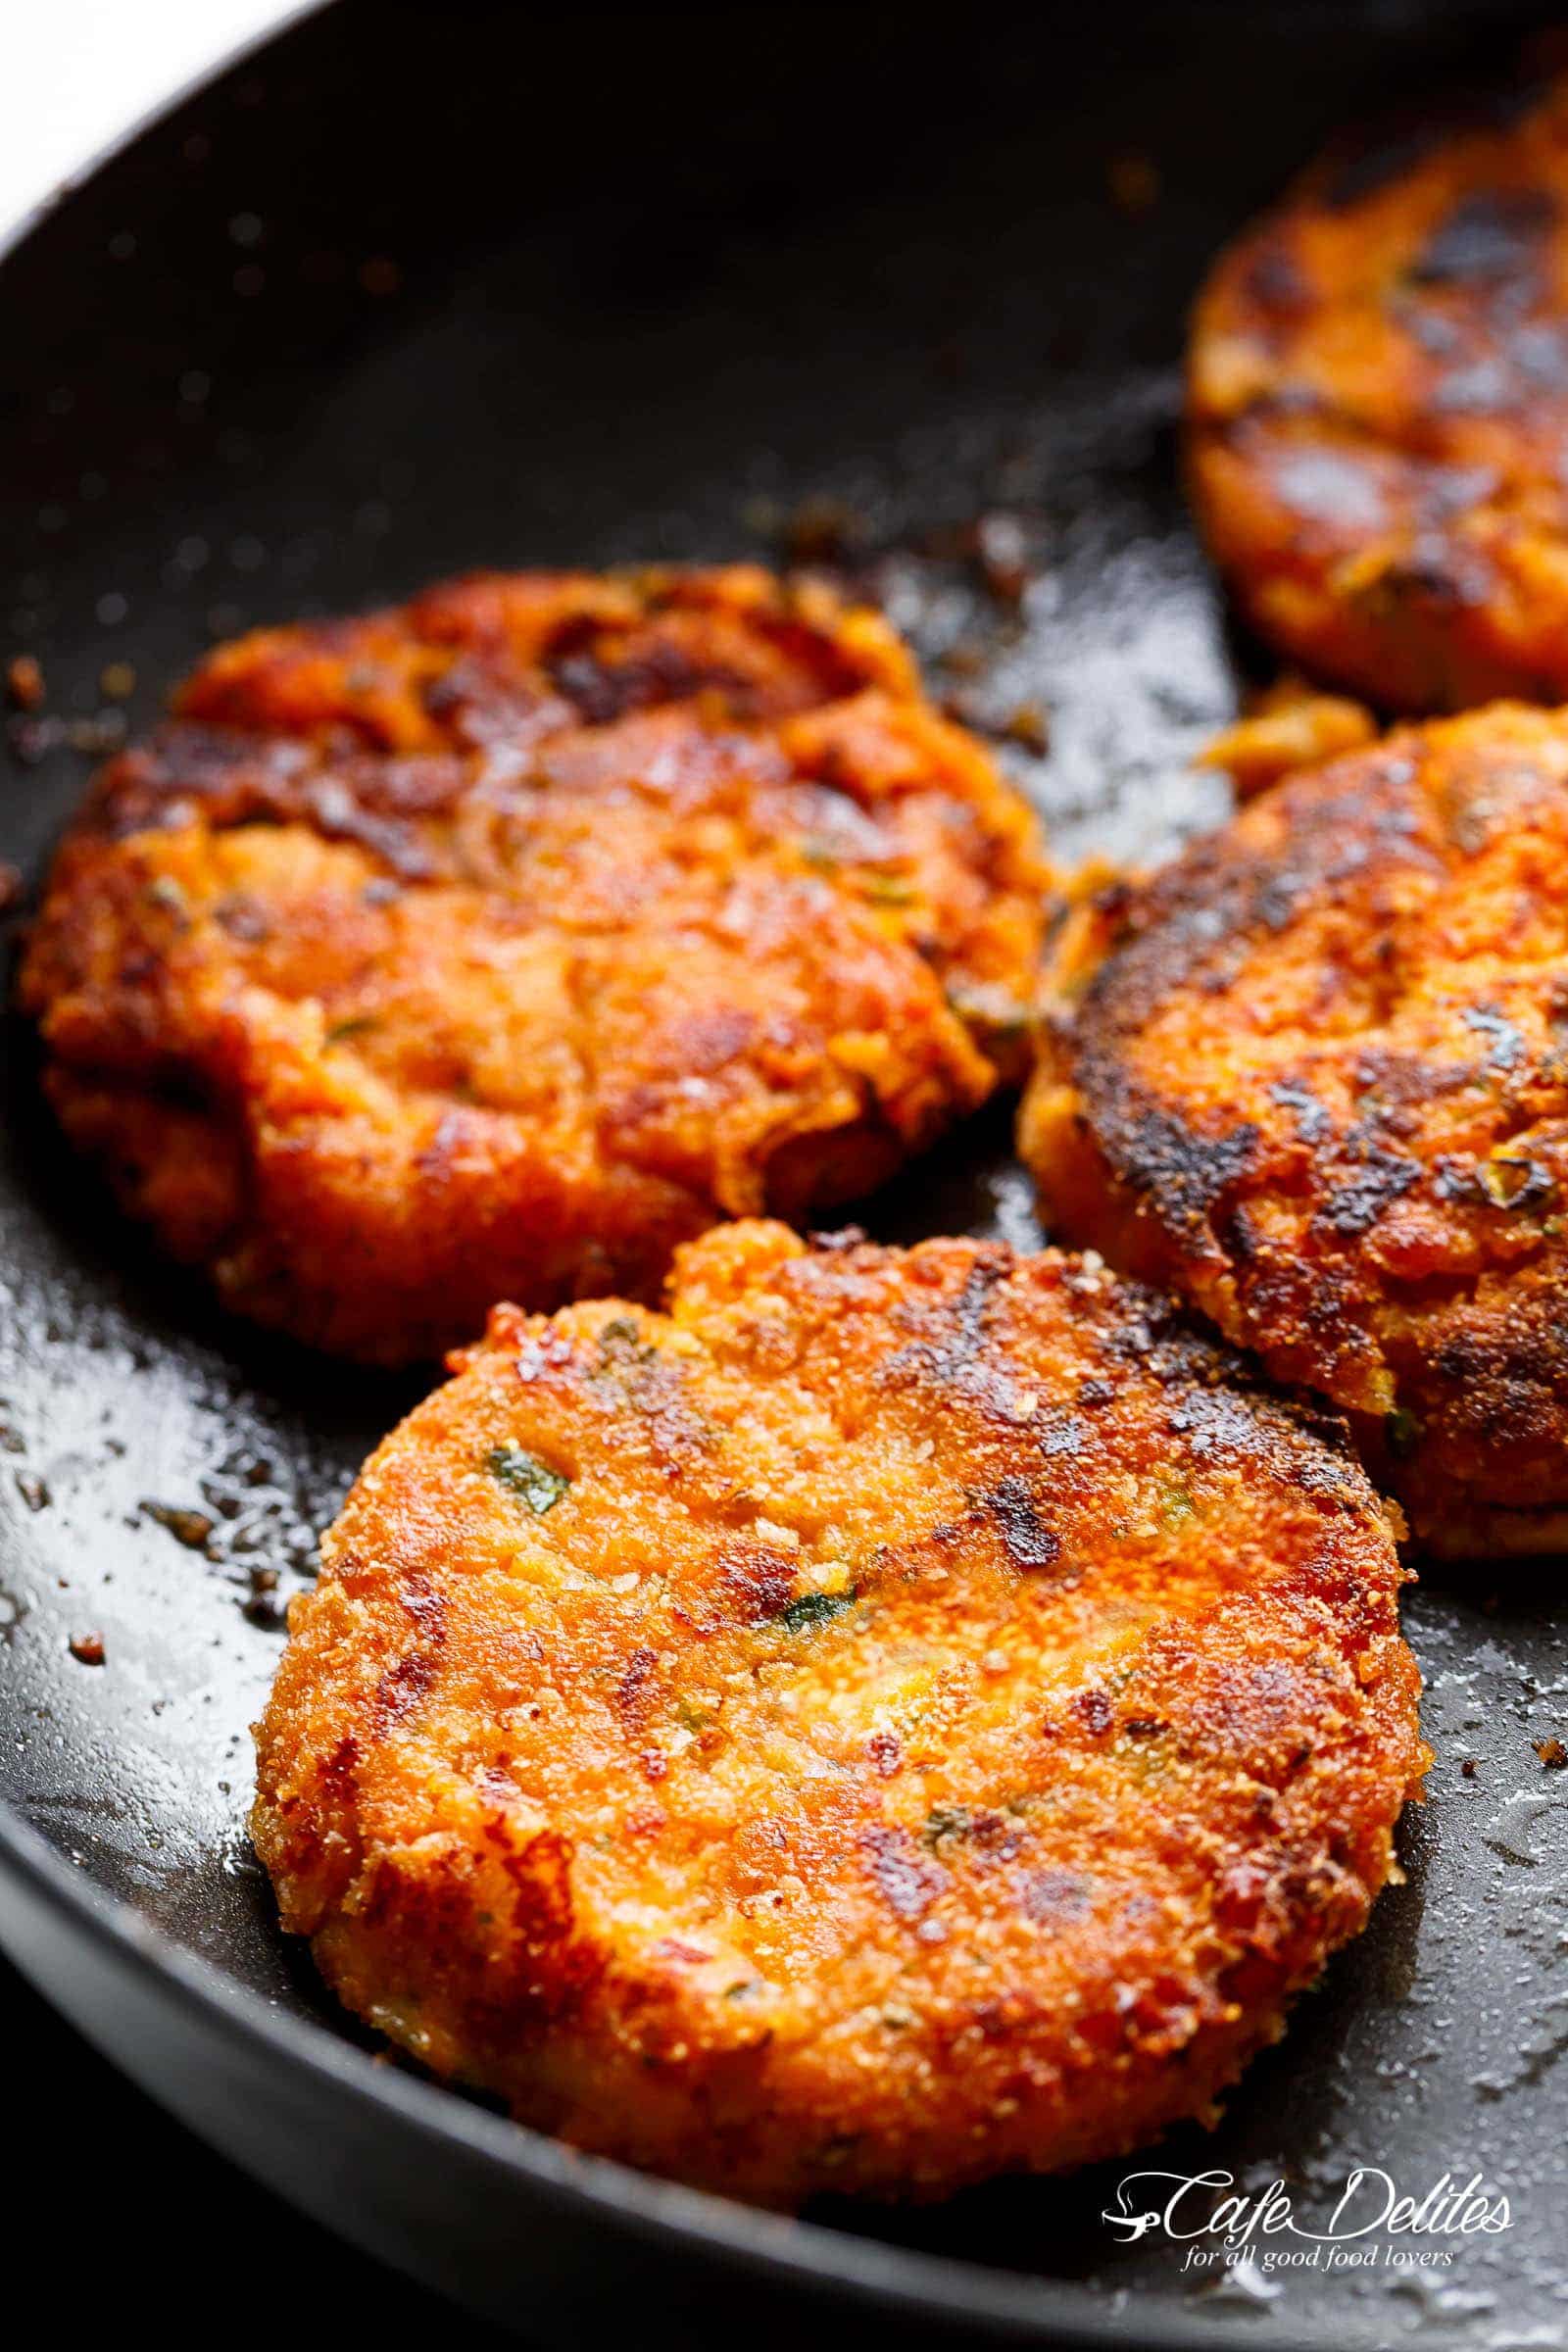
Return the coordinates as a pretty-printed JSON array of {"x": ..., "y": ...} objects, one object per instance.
[
  {"x": 660, "y": 2212},
  {"x": 15, "y": 233}
]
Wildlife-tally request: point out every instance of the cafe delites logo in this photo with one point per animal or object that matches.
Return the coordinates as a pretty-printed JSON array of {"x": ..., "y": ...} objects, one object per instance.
[{"x": 1374, "y": 2223}]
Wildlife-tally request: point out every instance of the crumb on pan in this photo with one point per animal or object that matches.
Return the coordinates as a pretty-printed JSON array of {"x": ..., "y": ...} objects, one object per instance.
[{"x": 1288, "y": 726}]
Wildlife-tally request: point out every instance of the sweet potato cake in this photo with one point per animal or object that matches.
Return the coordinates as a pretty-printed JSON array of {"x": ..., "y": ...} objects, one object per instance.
[
  {"x": 491, "y": 947},
  {"x": 894, "y": 1718},
  {"x": 1315, "y": 1075},
  {"x": 1378, "y": 410}
]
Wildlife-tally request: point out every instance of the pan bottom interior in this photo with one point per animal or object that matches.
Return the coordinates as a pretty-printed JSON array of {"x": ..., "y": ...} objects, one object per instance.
[{"x": 935, "y": 345}]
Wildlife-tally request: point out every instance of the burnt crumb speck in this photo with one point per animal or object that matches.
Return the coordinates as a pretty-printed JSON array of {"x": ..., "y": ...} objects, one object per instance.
[
  {"x": 1553, "y": 1754},
  {"x": 87, "y": 1648},
  {"x": 1029, "y": 727},
  {"x": 193, "y": 1529},
  {"x": 1002, "y": 556},
  {"x": 33, "y": 1491},
  {"x": 1094, "y": 1712},
  {"x": 24, "y": 683},
  {"x": 820, "y": 531}
]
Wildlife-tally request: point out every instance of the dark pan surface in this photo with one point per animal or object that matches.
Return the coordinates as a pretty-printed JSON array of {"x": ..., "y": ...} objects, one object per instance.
[{"x": 411, "y": 293}]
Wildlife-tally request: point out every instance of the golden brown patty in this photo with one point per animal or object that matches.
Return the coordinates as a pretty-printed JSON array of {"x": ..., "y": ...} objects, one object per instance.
[
  {"x": 490, "y": 947},
  {"x": 898, "y": 1717},
  {"x": 1315, "y": 1075},
  {"x": 1378, "y": 410}
]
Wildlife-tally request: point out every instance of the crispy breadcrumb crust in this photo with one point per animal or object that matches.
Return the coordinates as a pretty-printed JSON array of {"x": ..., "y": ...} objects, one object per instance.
[
  {"x": 896, "y": 1718},
  {"x": 492, "y": 946},
  {"x": 1378, "y": 409},
  {"x": 1315, "y": 1076}
]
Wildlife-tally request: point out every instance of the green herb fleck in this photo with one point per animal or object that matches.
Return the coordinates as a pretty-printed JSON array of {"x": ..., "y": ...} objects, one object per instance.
[
  {"x": 167, "y": 894},
  {"x": 1511, "y": 1181},
  {"x": 1401, "y": 1431},
  {"x": 996, "y": 1016},
  {"x": 816, "y": 1608},
  {"x": 1176, "y": 1504},
  {"x": 341, "y": 1031},
  {"x": 540, "y": 1487},
  {"x": 946, "y": 1821},
  {"x": 889, "y": 890}
]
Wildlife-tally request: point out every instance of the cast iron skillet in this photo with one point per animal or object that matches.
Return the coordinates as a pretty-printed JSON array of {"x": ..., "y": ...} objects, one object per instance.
[{"x": 414, "y": 289}]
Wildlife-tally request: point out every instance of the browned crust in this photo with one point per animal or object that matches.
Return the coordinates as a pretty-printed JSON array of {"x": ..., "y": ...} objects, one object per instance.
[
  {"x": 1315, "y": 1075},
  {"x": 1378, "y": 408},
  {"x": 1004, "y": 1850},
  {"x": 495, "y": 944}
]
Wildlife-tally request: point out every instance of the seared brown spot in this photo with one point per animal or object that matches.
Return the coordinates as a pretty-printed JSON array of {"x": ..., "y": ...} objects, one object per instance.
[
  {"x": 908, "y": 1880},
  {"x": 1030, "y": 1542}
]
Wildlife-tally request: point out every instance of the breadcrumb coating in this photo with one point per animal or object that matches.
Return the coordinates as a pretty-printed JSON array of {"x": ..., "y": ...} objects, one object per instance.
[
  {"x": 1378, "y": 409},
  {"x": 491, "y": 947},
  {"x": 1315, "y": 1076},
  {"x": 893, "y": 1718}
]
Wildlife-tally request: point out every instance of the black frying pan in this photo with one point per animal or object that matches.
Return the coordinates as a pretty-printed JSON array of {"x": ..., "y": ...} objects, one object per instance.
[{"x": 418, "y": 288}]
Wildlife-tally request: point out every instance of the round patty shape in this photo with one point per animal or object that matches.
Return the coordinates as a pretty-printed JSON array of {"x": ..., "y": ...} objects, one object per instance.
[
  {"x": 490, "y": 947},
  {"x": 1315, "y": 1075},
  {"x": 1378, "y": 410},
  {"x": 896, "y": 1717}
]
